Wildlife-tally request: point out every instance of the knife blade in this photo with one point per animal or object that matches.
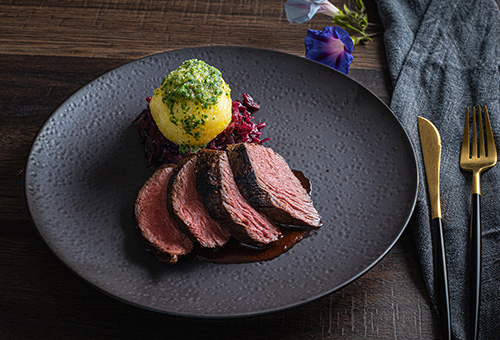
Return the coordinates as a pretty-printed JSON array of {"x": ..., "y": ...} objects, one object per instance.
[{"x": 430, "y": 142}]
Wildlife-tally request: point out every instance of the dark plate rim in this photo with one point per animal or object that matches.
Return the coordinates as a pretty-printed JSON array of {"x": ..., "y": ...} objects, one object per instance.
[{"x": 233, "y": 315}]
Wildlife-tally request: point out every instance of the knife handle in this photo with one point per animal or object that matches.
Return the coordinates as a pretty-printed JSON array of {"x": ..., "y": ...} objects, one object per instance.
[
  {"x": 475, "y": 264},
  {"x": 441, "y": 277}
]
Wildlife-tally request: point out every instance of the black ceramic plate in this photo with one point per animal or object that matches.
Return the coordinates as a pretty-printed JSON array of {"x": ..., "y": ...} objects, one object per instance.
[{"x": 86, "y": 167}]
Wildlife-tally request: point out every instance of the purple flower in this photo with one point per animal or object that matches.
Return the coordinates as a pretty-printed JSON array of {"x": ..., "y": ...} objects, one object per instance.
[
  {"x": 300, "y": 11},
  {"x": 332, "y": 47}
]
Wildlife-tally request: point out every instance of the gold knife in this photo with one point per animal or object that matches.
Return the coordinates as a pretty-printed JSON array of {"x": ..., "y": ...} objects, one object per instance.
[{"x": 430, "y": 141}]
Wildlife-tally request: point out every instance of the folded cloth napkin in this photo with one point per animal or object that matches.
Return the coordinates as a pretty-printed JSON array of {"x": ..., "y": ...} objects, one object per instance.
[{"x": 444, "y": 56}]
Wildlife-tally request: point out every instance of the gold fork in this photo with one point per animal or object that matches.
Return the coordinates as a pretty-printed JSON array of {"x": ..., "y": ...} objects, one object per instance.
[{"x": 476, "y": 160}]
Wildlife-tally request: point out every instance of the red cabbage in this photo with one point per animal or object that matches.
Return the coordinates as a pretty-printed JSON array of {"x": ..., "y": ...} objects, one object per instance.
[{"x": 159, "y": 150}]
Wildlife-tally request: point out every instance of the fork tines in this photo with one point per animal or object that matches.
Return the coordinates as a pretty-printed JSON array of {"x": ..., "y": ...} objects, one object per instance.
[{"x": 483, "y": 149}]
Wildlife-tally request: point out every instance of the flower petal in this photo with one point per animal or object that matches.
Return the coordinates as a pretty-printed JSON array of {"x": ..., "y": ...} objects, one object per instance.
[
  {"x": 339, "y": 33},
  {"x": 333, "y": 47},
  {"x": 300, "y": 11},
  {"x": 327, "y": 8}
]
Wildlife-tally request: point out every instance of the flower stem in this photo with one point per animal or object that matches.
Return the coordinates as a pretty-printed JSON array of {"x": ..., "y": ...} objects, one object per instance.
[{"x": 355, "y": 21}]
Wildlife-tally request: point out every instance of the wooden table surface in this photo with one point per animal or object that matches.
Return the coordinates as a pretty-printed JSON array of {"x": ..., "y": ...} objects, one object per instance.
[{"x": 51, "y": 48}]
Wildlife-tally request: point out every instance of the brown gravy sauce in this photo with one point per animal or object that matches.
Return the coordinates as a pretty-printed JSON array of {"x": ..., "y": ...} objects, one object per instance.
[{"x": 236, "y": 252}]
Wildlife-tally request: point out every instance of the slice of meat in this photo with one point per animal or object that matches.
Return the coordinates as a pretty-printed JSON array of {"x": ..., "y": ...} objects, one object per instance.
[
  {"x": 220, "y": 194},
  {"x": 159, "y": 231},
  {"x": 266, "y": 181},
  {"x": 185, "y": 204}
]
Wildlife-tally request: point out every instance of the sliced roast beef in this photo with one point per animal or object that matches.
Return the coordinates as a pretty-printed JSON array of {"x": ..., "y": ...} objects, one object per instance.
[
  {"x": 219, "y": 192},
  {"x": 267, "y": 182},
  {"x": 160, "y": 232},
  {"x": 185, "y": 204}
]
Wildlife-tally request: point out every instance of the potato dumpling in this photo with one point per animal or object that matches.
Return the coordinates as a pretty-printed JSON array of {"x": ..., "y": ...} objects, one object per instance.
[{"x": 192, "y": 105}]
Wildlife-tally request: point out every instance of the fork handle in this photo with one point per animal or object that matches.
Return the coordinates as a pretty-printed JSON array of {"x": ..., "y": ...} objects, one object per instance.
[
  {"x": 441, "y": 276},
  {"x": 475, "y": 264}
]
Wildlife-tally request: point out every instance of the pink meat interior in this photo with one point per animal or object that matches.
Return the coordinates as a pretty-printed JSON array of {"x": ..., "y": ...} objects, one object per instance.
[
  {"x": 286, "y": 191},
  {"x": 258, "y": 226},
  {"x": 190, "y": 209},
  {"x": 153, "y": 218}
]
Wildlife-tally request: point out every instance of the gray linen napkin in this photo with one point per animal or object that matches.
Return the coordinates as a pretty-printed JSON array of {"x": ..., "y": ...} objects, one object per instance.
[{"x": 443, "y": 56}]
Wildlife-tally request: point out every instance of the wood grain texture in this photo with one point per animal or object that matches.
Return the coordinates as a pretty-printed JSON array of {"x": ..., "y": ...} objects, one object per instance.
[
  {"x": 386, "y": 303},
  {"x": 134, "y": 29},
  {"x": 49, "y": 49}
]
